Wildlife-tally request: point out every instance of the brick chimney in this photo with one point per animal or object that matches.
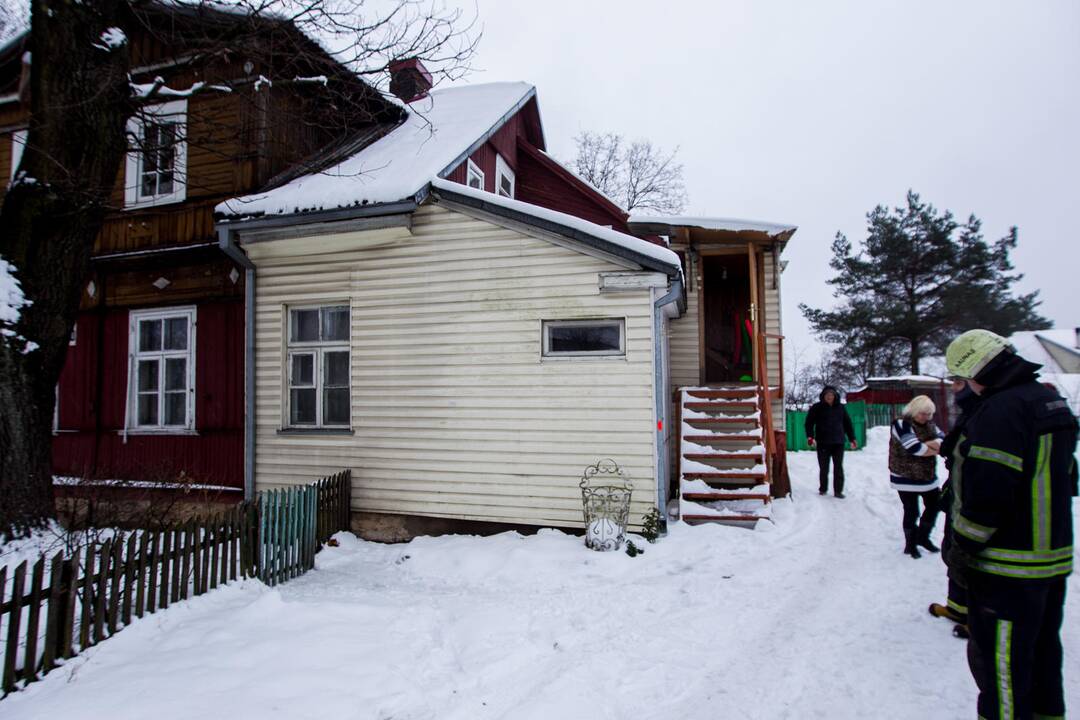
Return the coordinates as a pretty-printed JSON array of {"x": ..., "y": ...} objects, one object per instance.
[
  {"x": 1077, "y": 337},
  {"x": 409, "y": 79}
]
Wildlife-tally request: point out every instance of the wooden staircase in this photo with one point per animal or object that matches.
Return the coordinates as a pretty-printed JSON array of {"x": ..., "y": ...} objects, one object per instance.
[{"x": 724, "y": 455}]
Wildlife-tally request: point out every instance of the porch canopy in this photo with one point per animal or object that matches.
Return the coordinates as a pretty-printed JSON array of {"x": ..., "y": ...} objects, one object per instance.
[{"x": 707, "y": 230}]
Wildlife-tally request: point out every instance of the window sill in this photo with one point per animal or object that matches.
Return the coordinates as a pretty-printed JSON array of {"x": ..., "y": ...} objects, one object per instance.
[
  {"x": 153, "y": 202},
  {"x": 581, "y": 358},
  {"x": 330, "y": 431},
  {"x": 156, "y": 431}
]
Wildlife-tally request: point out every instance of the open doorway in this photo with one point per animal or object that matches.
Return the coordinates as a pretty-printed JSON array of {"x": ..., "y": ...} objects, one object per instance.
[{"x": 728, "y": 331}]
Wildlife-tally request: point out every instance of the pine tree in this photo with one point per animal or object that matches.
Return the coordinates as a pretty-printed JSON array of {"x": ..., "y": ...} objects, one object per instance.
[{"x": 919, "y": 279}]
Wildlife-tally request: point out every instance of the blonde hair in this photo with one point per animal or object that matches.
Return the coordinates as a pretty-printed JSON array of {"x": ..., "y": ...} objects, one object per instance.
[{"x": 919, "y": 404}]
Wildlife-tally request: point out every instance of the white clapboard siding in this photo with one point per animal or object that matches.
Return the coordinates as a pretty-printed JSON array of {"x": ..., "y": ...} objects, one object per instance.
[
  {"x": 454, "y": 413},
  {"x": 684, "y": 340},
  {"x": 774, "y": 326}
]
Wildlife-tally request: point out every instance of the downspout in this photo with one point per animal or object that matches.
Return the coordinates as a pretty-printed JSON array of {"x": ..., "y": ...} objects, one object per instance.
[
  {"x": 660, "y": 391},
  {"x": 229, "y": 247}
]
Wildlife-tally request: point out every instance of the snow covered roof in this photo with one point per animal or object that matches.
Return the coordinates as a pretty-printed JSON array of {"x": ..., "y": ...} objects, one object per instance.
[
  {"x": 714, "y": 223},
  {"x": 441, "y": 130},
  {"x": 906, "y": 378},
  {"x": 1048, "y": 348},
  {"x": 613, "y": 238}
]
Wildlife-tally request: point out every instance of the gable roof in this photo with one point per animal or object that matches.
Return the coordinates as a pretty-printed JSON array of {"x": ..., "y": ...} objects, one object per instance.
[
  {"x": 440, "y": 131},
  {"x": 1055, "y": 350}
]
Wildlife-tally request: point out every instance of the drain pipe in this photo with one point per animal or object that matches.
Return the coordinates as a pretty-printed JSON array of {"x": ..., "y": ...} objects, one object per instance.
[
  {"x": 229, "y": 247},
  {"x": 660, "y": 383}
]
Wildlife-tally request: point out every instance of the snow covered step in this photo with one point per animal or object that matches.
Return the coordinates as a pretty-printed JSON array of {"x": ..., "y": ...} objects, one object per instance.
[
  {"x": 722, "y": 408},
  {"x": 725, "y": 423},
  {"x": 745, "y": 520},
  {"x": 728, "y": 394},
  {"x": 727, "y": 479},
  {"x": 726, "y": 461},
  {"x": 725, "y": 496},
  {"x": 725, "y": 442}
]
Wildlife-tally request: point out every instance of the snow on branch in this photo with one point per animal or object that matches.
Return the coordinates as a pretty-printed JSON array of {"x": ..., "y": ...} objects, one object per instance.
[
  {"x": 112, "y": 39},
  {"x": 12, "y": 301},
  {"x": 158, "y": 89}
]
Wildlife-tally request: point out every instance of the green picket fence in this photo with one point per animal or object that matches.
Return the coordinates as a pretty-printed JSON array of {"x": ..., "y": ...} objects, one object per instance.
[{"x": 796, "y": 426}]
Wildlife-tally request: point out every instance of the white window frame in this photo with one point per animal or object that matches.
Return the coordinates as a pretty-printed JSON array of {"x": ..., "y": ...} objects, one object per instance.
[
  {"x": 472, "y": 170},
  {"x": 131, "y": 422},
  {"x": 176, "y": 112},
  {"x": 18, "y": 144},
  {"x": 547, "y": 353},
  {"x": 502, "y": 169},
  {"x": 318, "y": 349}
]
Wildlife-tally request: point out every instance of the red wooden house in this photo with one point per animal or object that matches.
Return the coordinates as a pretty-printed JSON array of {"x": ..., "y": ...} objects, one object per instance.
[{"x": 153, "y": 388}]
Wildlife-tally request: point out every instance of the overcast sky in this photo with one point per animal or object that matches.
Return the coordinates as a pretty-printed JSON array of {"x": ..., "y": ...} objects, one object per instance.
[{"x": 814, "y": 112}]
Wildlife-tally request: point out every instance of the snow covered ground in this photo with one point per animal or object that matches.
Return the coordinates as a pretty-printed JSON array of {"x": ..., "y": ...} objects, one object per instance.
[{"x": 816, "y": 616}]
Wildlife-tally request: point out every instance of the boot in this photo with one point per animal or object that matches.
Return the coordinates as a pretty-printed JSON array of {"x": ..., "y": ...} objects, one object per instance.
[
  {"x": 925, "y": 528},
  {"x": 944, "y": 611},
  {"x": 909, "y": 543}
]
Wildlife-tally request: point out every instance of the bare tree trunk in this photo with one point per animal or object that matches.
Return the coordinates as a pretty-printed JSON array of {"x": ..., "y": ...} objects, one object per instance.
[{"x": 80, "y": 101}]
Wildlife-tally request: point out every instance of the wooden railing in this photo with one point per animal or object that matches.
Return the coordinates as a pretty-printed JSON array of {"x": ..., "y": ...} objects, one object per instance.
[{"x": 56, "y": 608}]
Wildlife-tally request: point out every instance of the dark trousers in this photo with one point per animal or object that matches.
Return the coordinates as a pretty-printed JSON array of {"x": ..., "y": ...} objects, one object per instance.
[
  {"x": 825, "y": 453},
  {"x": 958, "y": 595},
  {"x": 925, "y": 523},
  {"x": 1015, "y": 648}
]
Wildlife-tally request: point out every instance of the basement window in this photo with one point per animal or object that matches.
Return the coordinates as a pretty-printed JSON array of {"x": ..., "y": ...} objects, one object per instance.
[
  {"x": 18, "y": 143},
  {"x": 504, "y": 178},
  {"x": 584, "y": 338},
  {"x": 156, "y": 166},
  {"x": 474, "y": 176},
  {"x": 318, "y": 367},
  {"x": 161, "y": 395}
]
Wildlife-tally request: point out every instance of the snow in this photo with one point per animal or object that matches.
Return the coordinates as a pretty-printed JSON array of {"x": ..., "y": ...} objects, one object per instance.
[
  {"x": 630, "y": 242},
  {"x": 1029, "y": 346},
  {"x": 714, "y": 223},
  {"x": 439, "y": 128},
  {"x": 816, "y": 614},
  {"x": 12, "y": 301},
  {"x": 907, "y": 378},
  {"x": 111, "y": 39}
]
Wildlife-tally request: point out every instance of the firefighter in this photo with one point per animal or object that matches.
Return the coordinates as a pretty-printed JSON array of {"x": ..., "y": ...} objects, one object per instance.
[{"x": 1014, "y": 479}]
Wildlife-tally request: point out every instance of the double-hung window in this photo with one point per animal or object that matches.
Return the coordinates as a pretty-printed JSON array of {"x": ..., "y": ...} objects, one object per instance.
[
  {"x": 162, "y": 394},
  {"x": 156, "y": 167},
  {"x": 318, "y": 367}
]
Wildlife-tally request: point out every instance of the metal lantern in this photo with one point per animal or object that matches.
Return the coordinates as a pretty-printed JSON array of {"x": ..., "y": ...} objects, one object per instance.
[{"x": 605, "y": 498}]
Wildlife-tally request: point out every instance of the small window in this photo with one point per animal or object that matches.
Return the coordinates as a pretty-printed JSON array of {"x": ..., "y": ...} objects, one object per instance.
[
  {"x": 474, "y": 176},
  {"x": 504, "y": 176},
  {"x": 18, "y": 143},
  {"x": 162, "y": 386},
  {"x": 583, "y": 338},
  {"x": 156, "y": 167},
  {"x": 318, "y": 367}
]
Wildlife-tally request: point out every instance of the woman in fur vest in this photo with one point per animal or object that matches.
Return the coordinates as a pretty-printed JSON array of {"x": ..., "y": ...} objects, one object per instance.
[{"x": 913, "y": 449}]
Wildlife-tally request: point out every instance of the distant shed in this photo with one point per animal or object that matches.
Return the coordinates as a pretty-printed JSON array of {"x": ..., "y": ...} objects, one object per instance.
[{"x": 885, "y": 398}]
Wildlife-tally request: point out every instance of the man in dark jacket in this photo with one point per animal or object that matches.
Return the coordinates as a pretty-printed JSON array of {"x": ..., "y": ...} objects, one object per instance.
[
  {"x": 827, "y": 424},
  {"x": 1014, "y": 478}
]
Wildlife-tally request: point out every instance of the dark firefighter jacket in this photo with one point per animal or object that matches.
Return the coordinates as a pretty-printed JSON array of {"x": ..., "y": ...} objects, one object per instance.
[{"x": 1014, "y": 478}]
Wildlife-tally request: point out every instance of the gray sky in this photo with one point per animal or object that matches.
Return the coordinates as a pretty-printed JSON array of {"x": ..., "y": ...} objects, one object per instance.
[{"x": 813, "y": 112}]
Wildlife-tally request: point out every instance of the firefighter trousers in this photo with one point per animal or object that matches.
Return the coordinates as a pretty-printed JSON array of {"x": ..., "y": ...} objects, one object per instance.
[{"x": 1015, "y": 648}]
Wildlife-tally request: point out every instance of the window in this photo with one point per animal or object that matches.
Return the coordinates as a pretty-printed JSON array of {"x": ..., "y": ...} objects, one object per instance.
[
  {"x": 156, "y": 168},
  {"x": 318, "y": 367},
  {"x": 162, "y": 386},
  {"x": 583, "y": 338},
  {"x": 504, "y": 178},
  {"x": 18, "y": 142},
  {"x": 474, "y": 177}
]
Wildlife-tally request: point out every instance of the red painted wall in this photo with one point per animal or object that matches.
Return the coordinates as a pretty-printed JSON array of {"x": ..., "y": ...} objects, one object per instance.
[{"x": 86, "y": 446}]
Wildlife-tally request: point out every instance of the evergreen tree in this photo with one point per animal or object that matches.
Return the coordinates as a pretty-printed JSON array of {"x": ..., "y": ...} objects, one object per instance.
[{"x": 920, "y": 279}]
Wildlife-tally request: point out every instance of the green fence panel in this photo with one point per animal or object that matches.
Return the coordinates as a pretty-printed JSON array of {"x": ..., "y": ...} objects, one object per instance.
[
  {"x": 881, "y": 414},
  {"x": 796, "y": 426}
]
